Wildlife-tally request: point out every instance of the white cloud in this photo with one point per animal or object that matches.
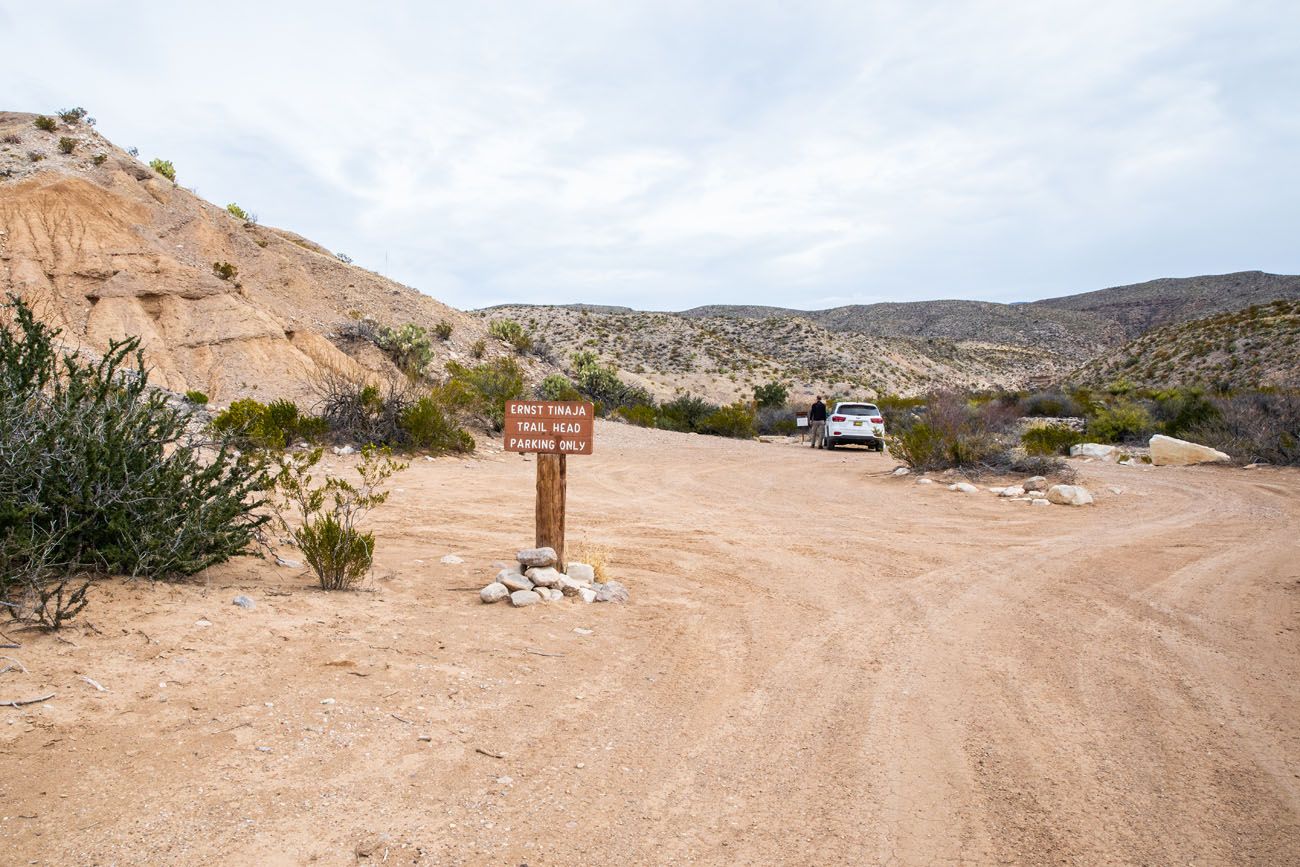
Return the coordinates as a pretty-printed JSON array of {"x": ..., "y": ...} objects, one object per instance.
[{"x": 670, "y": 154}]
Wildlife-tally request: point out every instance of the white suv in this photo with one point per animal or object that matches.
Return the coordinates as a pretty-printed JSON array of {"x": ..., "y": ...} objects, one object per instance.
[{"x": 859, "y": 423}]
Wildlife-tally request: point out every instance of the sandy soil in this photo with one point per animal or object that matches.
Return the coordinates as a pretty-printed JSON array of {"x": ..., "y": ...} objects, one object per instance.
[{"x": 820, "y": 664}]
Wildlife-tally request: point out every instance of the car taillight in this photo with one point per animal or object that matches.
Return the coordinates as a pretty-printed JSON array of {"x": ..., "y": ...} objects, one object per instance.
[
  {"x": 877, "y": 420},
  {"x": 838, "y": 418}
]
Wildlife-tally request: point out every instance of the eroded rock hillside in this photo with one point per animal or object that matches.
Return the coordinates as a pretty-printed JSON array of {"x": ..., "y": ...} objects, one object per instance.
[{"x": 106, "y": 247}]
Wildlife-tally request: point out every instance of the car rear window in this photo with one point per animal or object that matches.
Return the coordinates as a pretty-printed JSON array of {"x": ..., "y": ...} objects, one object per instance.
[{"x": 856, "y": 409}]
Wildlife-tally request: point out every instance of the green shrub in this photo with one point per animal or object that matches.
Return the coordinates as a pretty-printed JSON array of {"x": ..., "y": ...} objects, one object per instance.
[
  {"x": 72, "y": 115},
  {"x": 254, "y": 425},
  {"x": 224, "y": 270},
  {"x": 409, "y": 347},
  {"x": 734, "y": 420},
  {"x": 240, "y": 214},
  {"x": 557, "y": 387},
  {"x": 512, "y": 333},
  {"x": 1052, "y": 439},
  {"x": 1120, "y": 422},
  {"x": 164, "y": 168},
  {"x": 442, "y": 330},
  {"x": 45, "y": 124},
  {"x": 772, "y": 394},
  {"x": 685, "y": 413},
  {"x": 641, "y": 415},
  {"x": 949, "y": 433},
  {"x": 429, "y": 426},
  {"x": 99, "y": 159},
  {"x": 100, "y": 475},
  {"x": 196, "y": 397},
  {"x": 328, "y": 514},
  {"x": 603, "y": 385},
  {"x": 67, "y": 145},
  {"x": 1050, "y": 404},
  {"x": 479, "y": 347},
  {"x": 484, "y": 388},
  {"x": 1182, "y": 409}
]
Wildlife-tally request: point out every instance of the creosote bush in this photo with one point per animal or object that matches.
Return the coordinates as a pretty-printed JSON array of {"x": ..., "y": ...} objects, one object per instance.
[
  {"x": 67, "y": 145},
  {"x": 734, "y": 420},
  {"x": 328, "y": 514},
  {"x": 1051, "y": 439},
  {"x": 240, "y": 214},
  {"x": 224, "y": 270},
  {"x": 442, "y": 330},
  {"x": 45, "y": 124},
  {"x": 196, "y": 397},
  {"x": 99, "y": 475},
  {"x": 72, "y": 115},
  {"x": 484, "y": 388},
  {"x": 254, "y": 425}
]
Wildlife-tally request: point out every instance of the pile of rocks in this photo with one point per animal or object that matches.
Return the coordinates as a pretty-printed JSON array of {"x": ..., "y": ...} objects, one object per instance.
[
  {"x": 536, "y": 580},
  {"x": 1035, "y": 490}
]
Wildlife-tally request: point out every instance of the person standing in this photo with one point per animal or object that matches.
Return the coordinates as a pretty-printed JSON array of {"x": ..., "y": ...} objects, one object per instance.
[{"x": 817, "y": 422}]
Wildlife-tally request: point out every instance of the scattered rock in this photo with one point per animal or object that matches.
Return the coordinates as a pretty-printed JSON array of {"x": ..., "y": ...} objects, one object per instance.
[
  {"x": 513, "y": 580},
  {"x": 549, "y": 594},
  {"x": 1171, "y": 452},
  {"x": 924, "y": 481},
  {"x": 568, "y": 586},
  {"x": 1116, "y": 491},
  {"x": 1094, "y": 450},
  {"x": 343, "y": 450},
  {"x": 494, "y": 592},
  {"x": 203, "y": 624},
  {"x": 1036, "y": 495},
  {"x": 582, "y": 573},
  {"x": 451, "y": 560},
  {"x": 244, "y": 602},
  {"x": 544, "y": 576},
  {"x": 1039, "y": 502},
  {"x": 611, "y": 591},
  {"x": 327, "y": 701},
  {"x": 537, "y": 557},
  {"x": 900, "y": 471},
  {"x": 1069, "y": 495},
  {"x": 1015, "y": 491},
  {"x": 1035, "y": 483},
  {"x": 288, "y": 564},
  {"x": 581, "y": 631},
  {"x": 586, "y": 594},
  {"x": 997, "y": 491},
  {"x": 521, "y": 598},
  {"x": 964, "y": 487}
]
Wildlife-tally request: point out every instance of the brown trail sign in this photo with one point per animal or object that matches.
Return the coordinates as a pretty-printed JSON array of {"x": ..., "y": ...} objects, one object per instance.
[{"x": 553, "y": 430}]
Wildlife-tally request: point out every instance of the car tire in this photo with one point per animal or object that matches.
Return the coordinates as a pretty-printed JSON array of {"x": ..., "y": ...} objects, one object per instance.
[{"x": 827, "y": 444}]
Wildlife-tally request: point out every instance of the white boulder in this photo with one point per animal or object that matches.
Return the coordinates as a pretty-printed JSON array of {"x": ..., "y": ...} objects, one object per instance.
[
  {"x": 513, "y": 580},
  {"x": 1035, "y": 483},
  {"x": 583, "y": 573},
  {"x": 1014, "y": 491},
  {"x": 522, "y": 598},
  {"x": 586, "y": 594},
  {"x": 494, "y": 592},
  {"x": 925, "y": 481},
  {"x": 1171, "y": 452},
  {"x": 544, "y": 576},
  {"x": 964, "y": 487},
  {"x": 537, "y": 557},
  {"x": 1094, "y": 450},
  {"x": 1042, "y": 502},
  {"x": 1069, "y": 495}
]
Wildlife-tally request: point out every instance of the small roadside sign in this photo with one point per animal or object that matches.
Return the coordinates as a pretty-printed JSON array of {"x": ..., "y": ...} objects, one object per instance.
[
  {"x": 560, "y": 427},
  {"x": 553, "y": 430}
]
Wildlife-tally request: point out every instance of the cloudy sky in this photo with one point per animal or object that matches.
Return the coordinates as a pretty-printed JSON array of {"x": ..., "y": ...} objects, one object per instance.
[{"x": 664, "y": 154}]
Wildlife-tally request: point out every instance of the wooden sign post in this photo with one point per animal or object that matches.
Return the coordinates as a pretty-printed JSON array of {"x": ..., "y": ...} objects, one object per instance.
[{"x": 553, "y": 430}]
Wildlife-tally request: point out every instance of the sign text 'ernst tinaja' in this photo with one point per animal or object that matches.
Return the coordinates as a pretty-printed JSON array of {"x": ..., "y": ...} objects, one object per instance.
[{"x": 549, "y": 426}]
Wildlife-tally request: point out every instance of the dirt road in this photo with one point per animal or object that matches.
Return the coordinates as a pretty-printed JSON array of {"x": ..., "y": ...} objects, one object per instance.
[{"x": 820, "y": 665}]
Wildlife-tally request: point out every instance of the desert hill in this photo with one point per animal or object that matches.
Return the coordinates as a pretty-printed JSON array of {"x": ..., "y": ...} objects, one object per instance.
[
  {"x": 1140, "y": 307},
  {"x": 106, "y": 247},
  {"x": 1258, "y": 346}
]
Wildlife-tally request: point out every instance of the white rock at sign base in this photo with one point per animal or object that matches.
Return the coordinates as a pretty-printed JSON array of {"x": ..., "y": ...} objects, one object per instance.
[
  {"x": 520, "y": 598},
  {"x": 611, "y": 591},
  {"x": 1094, "y": 450},
  {"x": 494, "y": 592},
  {"x": 582, "y": 573},
  {"x": 586, "y": 594},
  {"x": 544, "y": 576},
  {"x": 513, "y": 580},
  {"x": 964, "y": 487},
  {"x": 1069, "y": 495},
  {"x": 1171, "y": 452},
  {"x": 568, "y": 586},
  {"x": 537, "y": 557}
]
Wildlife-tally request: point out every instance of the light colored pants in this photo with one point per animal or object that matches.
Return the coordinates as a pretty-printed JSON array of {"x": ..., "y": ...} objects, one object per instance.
[{"x": 817, "y": 431}]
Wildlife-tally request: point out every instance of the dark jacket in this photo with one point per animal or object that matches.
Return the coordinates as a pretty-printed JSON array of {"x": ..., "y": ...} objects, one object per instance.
[{"x": 817, "y": 412}]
